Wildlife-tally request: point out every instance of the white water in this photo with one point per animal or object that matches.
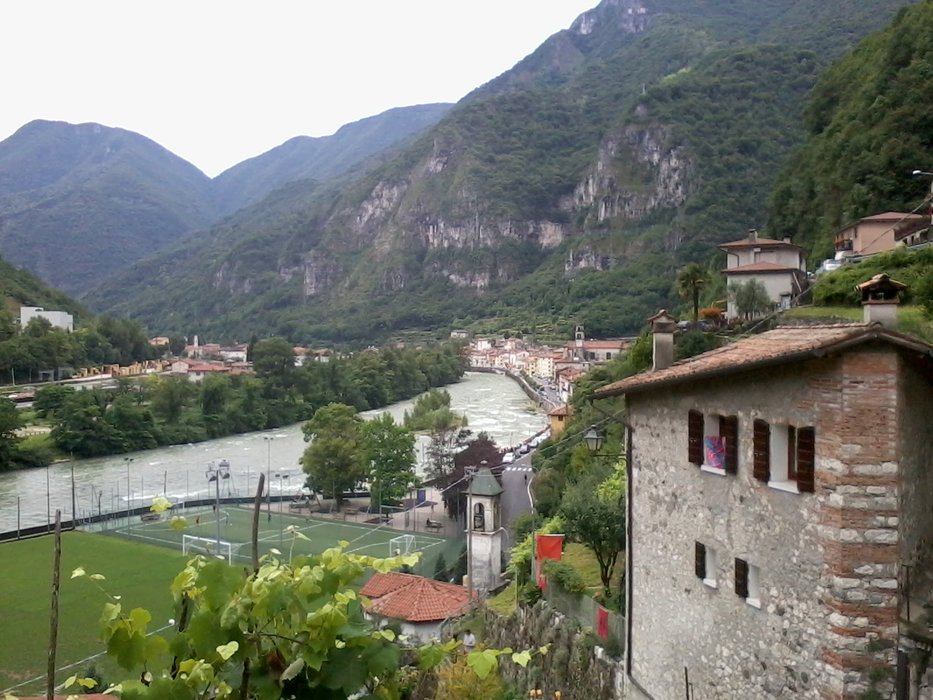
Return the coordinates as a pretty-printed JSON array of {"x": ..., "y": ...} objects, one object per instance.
[{"x": 493, "y": 404}]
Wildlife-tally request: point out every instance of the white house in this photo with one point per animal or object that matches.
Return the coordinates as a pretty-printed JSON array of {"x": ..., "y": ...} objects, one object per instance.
[
  {"x": 779, "y": 265},
  {"x": 59, "y": 319}
]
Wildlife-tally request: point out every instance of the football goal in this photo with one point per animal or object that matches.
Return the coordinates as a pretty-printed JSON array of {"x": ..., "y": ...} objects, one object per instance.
[
  {"x": 210, "y": 546},
  {"x": 403, "y": 544}
]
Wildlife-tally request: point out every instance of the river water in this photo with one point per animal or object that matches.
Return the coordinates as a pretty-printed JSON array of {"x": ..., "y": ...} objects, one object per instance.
[{"x": 492, "y": 403}]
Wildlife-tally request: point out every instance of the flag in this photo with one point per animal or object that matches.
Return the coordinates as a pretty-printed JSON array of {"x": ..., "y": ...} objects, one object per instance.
[
  {"x": 547, "y": 547},
  {"x": 602, "y": 622}
]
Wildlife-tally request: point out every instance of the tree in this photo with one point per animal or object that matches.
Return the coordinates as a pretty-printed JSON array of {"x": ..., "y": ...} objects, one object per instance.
[
  {"x": 10, "y": 422},
  {"x": 750, "y": 298},
  {"x": 390, "y": 454},
  {"x": 432, "y": 413},
  {"x": 176, "y": 345},
  {"x": 594, "y": 513},
  {"x": 335, "y": 461},
  {"x": 274, "y": 360},
  {"x": 690, "y": 281},
  {"x": 170, "y": 395}
]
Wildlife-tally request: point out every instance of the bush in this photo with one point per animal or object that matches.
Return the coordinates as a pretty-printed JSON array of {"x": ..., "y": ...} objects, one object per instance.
[
  {"x": 565, "y": 576},
  {"x": 530, "y": 593}
]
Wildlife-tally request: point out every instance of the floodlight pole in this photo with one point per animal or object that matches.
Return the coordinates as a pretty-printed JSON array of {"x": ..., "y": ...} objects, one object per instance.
[{"x": 268, "y": 439}]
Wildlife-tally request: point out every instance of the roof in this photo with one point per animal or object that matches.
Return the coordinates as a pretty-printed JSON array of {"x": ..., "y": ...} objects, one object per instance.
[
  {"x": 760, "y": 267},
  {"x": 564, "y": 410},
  {"x": 414, "y": 598},
  {"x": 758, "y": 242},
  {"x": 893, "y": 216},
  {"x": 484, "y": 483},
  {"x": 780, "y": 346}
]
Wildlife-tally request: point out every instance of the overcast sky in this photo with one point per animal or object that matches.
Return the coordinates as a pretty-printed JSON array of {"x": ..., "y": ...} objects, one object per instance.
[{"x": 219, "y": 81}]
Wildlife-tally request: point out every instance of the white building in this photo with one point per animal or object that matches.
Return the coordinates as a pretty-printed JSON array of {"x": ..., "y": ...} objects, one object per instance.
[
  {"x": 779, "y": 265},
  {"x": 58, "y": 319}
]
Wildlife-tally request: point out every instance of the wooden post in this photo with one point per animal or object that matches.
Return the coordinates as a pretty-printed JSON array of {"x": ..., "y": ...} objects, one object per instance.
[
  {"x": 257, "y": 506},
  {"x": 53, "y": 618}
]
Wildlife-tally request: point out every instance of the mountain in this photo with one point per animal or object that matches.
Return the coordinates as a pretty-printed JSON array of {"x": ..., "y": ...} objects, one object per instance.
[
  {"x": 19, "y": 287},
  {"x": 77, "y": 201},
  {"x": 80, "y": 202},
  {"x": 567, "y": 190},
  {"x": 869, "y": 126},
  {"x": 321, "y": 158}
]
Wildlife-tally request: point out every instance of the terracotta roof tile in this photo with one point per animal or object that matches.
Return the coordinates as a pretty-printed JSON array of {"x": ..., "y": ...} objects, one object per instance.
[
  {"x": 414, "y": 598},
  {"x": 774, "y": 347},
  {"x": 760, "y": 267},
  {"x": 562, "y": 411},
  {"x": 894, "y": 216},
  {"x": 758, "y": 242}
]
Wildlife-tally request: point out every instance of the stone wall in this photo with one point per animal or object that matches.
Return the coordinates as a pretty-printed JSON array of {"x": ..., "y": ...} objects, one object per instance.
[
  {"x": 573, "y": 665},
  {"x": 827, "y": 561}
]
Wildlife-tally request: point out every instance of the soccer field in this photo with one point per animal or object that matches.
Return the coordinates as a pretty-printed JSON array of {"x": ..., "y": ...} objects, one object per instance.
[
  {"x": 142, "y": 575},
  {"x": 322, "y": 533}
]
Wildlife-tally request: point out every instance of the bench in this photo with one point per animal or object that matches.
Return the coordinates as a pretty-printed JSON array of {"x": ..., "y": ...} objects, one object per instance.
[
  {"x": 150, "y": 517},
  {"x": 433, "y": 524}
]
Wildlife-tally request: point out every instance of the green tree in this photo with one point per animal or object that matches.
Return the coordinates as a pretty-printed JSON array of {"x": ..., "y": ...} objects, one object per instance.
[
  {"x": 690, "y": 282},
  {"x": 594, "y": 513},
  {"x": 170, "y": 396},
  {"x": 390, "y": 454},
  {"x": 750, "y": 298},
  {"x": 274, "y": 360},
  {"x": 10, "y": 422},
  {"x": 50, "y": 399},
  {"x": 335, "y": 461},
  {"x": 176, "y": 345}
]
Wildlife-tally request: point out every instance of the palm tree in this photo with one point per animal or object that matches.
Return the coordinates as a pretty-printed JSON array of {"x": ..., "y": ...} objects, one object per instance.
[{"x": 689, "y": 282}]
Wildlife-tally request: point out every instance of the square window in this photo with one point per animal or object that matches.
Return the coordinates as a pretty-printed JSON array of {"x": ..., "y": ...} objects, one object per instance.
[
  {"x": 784, "y": 456},
  {"x": 713, "y": 442}
]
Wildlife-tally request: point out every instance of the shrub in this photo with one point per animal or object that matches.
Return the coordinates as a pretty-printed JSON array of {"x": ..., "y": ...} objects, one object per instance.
[{"x": 565, "y": 576}]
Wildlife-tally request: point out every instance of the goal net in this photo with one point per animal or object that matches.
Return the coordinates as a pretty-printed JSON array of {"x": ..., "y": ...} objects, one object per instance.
[
  {"x": 212, "y": 547},
  {"x": 403, "y": 544}
]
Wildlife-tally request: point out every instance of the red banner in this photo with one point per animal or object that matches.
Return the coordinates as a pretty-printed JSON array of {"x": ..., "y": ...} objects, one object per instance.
[
  {"x": 547, "y": 547},
  {"x": 602, "y": 622}
]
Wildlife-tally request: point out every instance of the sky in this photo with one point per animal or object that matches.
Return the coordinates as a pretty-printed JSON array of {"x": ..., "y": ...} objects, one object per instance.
[{"x": 219, "y": 81}]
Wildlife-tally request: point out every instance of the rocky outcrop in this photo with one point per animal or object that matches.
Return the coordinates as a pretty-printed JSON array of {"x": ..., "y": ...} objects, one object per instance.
[
  {"x": 321, "y": 273},
  {"x": 637, "y": 151},
  {"x": 628, "y": 16}
]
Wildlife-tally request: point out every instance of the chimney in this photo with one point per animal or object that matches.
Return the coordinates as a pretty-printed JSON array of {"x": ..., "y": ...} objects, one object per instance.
[
  {"x": 753, "y": 234},
  {"x": 880, "y": 297},
  {"x": 662, "y": 335},
  {"x": 786, "y": 239}
]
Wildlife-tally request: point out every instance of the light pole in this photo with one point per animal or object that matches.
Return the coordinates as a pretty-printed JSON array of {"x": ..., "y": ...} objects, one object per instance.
[
  {"x": 280, "y": 477},
  {"x": 128, "y": 461},
  {"x": 214, "y": 473},
  {"x": 268, "y": 439}
]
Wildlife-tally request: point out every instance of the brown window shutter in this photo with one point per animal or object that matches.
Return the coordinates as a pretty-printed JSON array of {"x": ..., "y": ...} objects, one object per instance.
[
  {"x": 741, "y": 577},
  {"x": 695, "y": 437},
  {"x": 700, "y": 560},
  {"x": 791, "y": 453},
  {"x": 729, "y": 430},
  {"x": 806, "y": 459},
  {"x": 761, "y": 447}
]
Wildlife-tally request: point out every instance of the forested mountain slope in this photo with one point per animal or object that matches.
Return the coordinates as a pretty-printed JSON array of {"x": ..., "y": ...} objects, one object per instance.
[
  {"x": 79, "y": 202},
  {"x": 567, "y": 190},
  {"x": 869, "y": 126}
]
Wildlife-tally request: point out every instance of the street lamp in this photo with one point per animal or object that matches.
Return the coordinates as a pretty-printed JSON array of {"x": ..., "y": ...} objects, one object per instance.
[
  {"x": 593, "y": 439},
  {"x": 214, "y": 473}
]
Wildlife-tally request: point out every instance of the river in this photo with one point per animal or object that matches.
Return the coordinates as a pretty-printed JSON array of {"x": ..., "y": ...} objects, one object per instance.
[{"x": 492, "y": 403}]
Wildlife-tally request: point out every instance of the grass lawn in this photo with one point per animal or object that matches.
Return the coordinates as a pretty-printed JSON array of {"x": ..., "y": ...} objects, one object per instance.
[{"x": 140, "y": 573}]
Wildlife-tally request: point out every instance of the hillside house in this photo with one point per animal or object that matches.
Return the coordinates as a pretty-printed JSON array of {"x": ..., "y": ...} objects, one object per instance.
[
  {"x": 58, "y": 319},
  {"x": 779, "y": 265},
  {"x": 196, "y": 370},
  {"x": 780, "y": 533},
  {"x": 878, "y": 233}
]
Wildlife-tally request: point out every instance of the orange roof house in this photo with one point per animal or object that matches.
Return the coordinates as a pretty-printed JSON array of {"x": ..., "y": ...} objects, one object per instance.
[{"x": 420, "y": 604}]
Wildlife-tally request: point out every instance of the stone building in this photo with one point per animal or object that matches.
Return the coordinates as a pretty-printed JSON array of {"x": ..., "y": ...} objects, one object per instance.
[{"x": 779, "y": 518}]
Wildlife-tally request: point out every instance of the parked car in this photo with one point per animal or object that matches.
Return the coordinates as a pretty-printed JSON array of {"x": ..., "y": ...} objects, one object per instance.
[{"x": 508, "y": 458}]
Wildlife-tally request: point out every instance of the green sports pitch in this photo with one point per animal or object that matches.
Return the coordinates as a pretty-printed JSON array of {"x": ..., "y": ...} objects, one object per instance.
[{"x": 235, "y": 526}]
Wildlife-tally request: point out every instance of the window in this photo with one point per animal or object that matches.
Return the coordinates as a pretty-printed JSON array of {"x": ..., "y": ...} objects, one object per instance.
[
  {"x": 705, "y": 564},
  {"x": 748, "y": 582},
  {"x": 784, "y": 456},
  {"x": 479, "y": 517},
  {"x": 712, "y": 442}
]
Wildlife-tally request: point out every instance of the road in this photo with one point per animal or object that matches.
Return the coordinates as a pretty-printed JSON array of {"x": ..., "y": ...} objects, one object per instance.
[{"x": 515, "y": 479}]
